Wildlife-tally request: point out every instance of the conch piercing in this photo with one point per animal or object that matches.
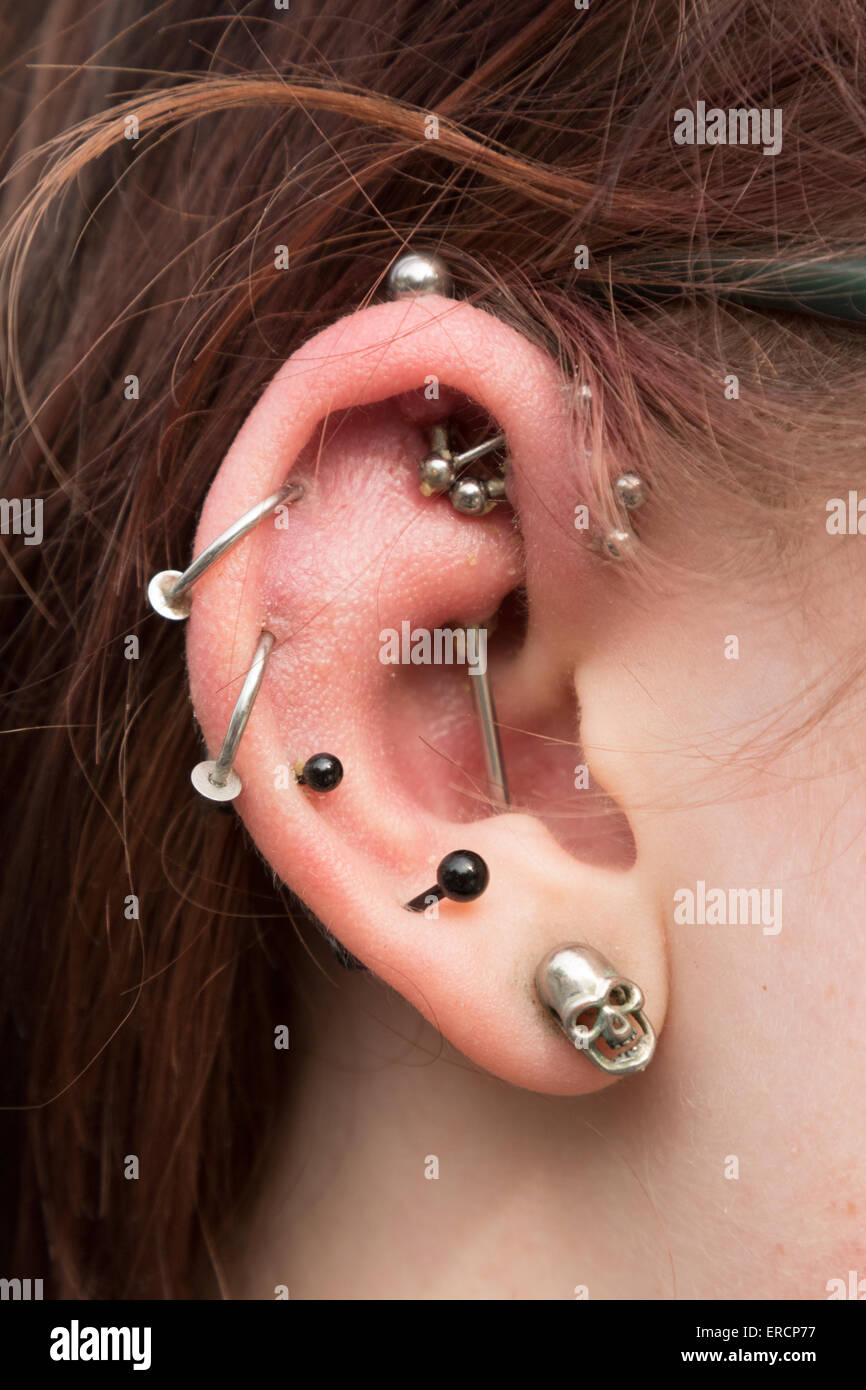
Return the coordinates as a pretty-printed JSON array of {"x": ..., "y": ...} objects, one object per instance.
[
  {"x": 168, "y": 591},
  {"x": 599, "y": 1011},
  {"x": 216, "y": 778},
  {"x": 321, "y": 773},
  {"x": 462, "y": 876}
]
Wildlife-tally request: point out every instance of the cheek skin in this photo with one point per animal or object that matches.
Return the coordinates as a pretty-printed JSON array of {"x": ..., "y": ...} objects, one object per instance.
[{"x": 674, "y": 739}]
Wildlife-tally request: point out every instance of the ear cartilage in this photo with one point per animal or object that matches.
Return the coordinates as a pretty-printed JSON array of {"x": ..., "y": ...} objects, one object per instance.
[
  {"x": 216, "y": 778},
  {"x": 416, "y": 273},
  {"x": 491, "y": 748},
  {"x": 462, "y": 876},
  {"x": 599, "y": 1011},
  {"x": 168, "y": 591},
  {"x": 321, "y": 773}
]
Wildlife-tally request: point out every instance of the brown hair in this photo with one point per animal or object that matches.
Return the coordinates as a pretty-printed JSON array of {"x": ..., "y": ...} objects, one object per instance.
[{"x": 154, "y": 257}]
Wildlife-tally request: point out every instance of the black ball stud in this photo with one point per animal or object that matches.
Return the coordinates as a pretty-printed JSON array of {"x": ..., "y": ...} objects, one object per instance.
[
  {"x": 462, "y": 876},
  {"x": 321, "y": 773}
]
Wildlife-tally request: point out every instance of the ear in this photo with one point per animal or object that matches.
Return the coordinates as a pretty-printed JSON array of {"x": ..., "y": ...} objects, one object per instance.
[{"x": 364, "y": 552}]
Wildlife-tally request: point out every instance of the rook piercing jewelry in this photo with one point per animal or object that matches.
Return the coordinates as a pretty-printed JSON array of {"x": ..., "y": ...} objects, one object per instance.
[
  {"x": 168, "y": 591},
  {"x": 416, "y": 273},
  {"x": 321, "y": 773},
  {"x": 599, "y": 1011},
  {"x": 462, "y": 876},
  {"x": 439, "y": 472},
  {"x": 216, "y": 778}
]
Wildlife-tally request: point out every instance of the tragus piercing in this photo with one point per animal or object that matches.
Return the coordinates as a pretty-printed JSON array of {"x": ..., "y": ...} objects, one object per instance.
[
  {"x": 168, "y": 591},
  {"x": 599, "y": 1011},
  {"x": 321, "y": 773},
  {"x": 462, "y": 876},
  {"x": 417, "y": 273},
  {"x": 216, "y": 778}
]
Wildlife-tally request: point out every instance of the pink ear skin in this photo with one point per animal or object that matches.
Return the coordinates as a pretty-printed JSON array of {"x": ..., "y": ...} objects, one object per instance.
[{"x": 362, "y": 552}]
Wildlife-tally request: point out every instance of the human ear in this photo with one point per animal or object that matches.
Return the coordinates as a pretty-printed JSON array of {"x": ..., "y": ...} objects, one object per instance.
[{"x": 364, "y": 552}]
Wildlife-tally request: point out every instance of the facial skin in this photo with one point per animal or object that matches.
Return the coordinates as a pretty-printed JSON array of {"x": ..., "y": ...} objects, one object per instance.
[{"x": 730, "y": 1168}]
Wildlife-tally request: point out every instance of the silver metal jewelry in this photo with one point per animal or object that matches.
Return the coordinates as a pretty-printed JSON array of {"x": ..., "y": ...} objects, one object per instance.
[
  {"x": 168, "y": 591},
  {"x": 441, "y": 471},
  {"x": 631, "y": 491},
  {"x": 491, "y": 747},
  {"x": 215, "y": 778},
  {"x": 416, "y": 273},
  {"x": 599, "y": 1011}
]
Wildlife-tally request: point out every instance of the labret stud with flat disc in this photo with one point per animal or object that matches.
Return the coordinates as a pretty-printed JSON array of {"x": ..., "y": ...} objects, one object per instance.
[{"x": 462, "y": 876}]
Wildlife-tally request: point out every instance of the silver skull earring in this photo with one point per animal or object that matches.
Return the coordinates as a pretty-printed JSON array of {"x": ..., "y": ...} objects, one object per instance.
[{"x": 599, "y": 1011}]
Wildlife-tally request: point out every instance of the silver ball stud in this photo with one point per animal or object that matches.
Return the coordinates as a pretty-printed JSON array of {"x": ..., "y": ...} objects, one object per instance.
[
  {"x": 631, "y": 490},
  {"x": 416, "y": 273},
  {"x": 469, "y": 496},
  {"x": 435, "y": 474},
  {"x": 619, "y": 545}
]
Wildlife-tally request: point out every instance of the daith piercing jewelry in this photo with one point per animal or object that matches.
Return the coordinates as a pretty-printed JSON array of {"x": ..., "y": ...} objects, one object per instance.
[
  {"x": 462, "y": 876},
  {"x": 216, "y": 778},
  {"x": 168, "y": 591},
  {"x": 599, "y": 1011}
]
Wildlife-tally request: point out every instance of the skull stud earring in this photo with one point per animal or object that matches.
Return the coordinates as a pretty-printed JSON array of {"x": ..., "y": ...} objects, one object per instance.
[{"x": 599, "y": 1011}]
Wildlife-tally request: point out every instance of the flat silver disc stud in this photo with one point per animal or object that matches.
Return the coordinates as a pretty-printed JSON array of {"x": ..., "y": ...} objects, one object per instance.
[
  {"x": 417, "y": 273},
  {"x": 202, "y": 778},
  {"x": 158, "y": 591}
]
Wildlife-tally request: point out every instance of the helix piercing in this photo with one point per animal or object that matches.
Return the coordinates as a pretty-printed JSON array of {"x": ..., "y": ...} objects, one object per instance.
[
  {"x": 631, "y": 491},
  {"x": 216, "y": 778},
  {"x": 321, "y": 773},
  {"x": 462, "y": 876},
  {"x": 599, "y": 1011},
  {"x": 168, "y": 591},
  {"x": 417, "y": 273}
]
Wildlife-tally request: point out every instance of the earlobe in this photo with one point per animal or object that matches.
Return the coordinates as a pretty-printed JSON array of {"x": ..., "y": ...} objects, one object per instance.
[{"x": 364, "y": 551}]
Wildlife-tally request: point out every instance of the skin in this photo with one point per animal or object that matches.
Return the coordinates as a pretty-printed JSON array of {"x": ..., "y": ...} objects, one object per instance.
[{"x": 553, "y": 1178}]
